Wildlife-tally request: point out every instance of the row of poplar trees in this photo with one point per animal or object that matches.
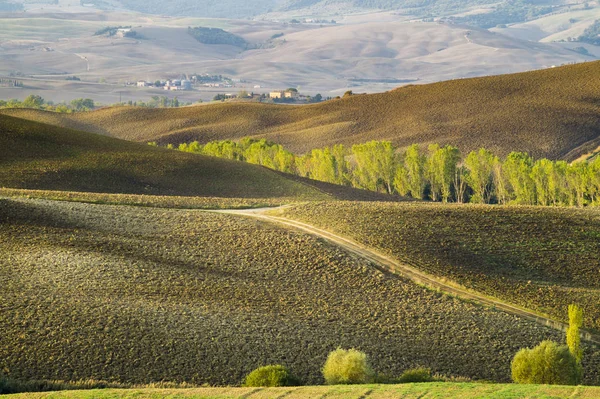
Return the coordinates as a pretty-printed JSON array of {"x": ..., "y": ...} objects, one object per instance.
[{"x": 438, "y": 174}]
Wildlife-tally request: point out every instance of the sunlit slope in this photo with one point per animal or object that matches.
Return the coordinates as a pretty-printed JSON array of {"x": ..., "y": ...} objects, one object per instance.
[
  {"x": 97, "y": 291},
  {"x": 39, "y": 156},
  {"x": 540, "y": 258},
  {"x": 553, "y": 113}
]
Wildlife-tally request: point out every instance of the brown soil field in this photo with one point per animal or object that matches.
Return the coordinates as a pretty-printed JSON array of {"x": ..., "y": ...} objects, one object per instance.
[
  {"x": 138, "y": 295},
  {"x": 539, "y": 258}
]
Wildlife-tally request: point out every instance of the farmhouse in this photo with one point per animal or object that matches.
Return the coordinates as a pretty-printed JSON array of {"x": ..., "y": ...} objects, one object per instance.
[{"x": 279, "y": 94}]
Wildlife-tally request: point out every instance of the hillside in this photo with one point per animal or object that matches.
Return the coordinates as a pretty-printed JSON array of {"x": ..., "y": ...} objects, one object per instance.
[
  {"x": 551, "y": 113},
  {"x": 38, "y": 156},
  {"x": 95, "y": 291},
  {"x": 536, "y": 257}
]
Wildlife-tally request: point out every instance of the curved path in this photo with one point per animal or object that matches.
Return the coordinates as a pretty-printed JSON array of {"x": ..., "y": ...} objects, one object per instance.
[{"x": 388, "y": 264}]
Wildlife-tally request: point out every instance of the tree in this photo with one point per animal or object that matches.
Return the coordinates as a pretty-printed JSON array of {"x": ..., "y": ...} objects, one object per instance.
[
  {"x": 578, "y": 180},
  {"x": 547, "y": 363},
  {"x": 480, "y": 165},
  {"x": 460, "y": 183},
  {"x": 594, "y": 190},
  {"x": 500, "y": 183},
  {"x": 270, "y": 376},
  {"x": 441, "y": 169},
  {"x": 375, "y": 163},
  {"x": 517, "y": 169},
  {"x": 33, "y": 101},
  {"x": 542, "y": 174},
  {"x": 573, "y": 338},
  {"x": 82, "y": 104},
  {"x": 347, "y": 367},
  {"x": 410, "y": 177}
]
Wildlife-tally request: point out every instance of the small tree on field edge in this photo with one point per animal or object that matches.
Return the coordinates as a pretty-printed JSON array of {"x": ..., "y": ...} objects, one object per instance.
[{"x": 347, "y": 367}]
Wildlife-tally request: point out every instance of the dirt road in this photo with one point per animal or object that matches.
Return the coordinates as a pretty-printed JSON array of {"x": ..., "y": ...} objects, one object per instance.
[{"x": 390, "y": 265}]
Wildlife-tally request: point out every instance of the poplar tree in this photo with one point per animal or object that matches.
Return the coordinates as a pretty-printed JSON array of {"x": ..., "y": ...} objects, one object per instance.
[
  {"x": 542, "y": 175},
  {"x": 480, "y": 165},
  {"x": 411, "y": 177},
  {"x": 375, "y": 162},
  {"x": 517, "y": 169},
  {"x": 573, "y": 338},
  {"x": 594, "y": 169}
]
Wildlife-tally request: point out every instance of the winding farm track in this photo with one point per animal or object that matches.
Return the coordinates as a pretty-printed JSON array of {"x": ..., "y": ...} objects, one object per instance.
[{"x": 390, "y": 265}]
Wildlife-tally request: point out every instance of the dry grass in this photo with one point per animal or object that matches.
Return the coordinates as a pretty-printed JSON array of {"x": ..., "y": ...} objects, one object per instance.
[
  {"x": 139, "y": 295},
  {"x": 552, "y": 113}
]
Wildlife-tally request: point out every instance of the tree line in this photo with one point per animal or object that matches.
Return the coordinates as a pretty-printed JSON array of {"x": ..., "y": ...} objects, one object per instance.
[
  {"x": 34, "y": 101},
  {"x": 438, "y": 174}
]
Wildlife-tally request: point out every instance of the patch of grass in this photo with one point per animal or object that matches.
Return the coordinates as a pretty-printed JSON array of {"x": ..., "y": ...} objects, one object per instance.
[
  {"x": 140, "y": 295},
  {"x": 404, "y": 391},
  {"x": 553, "y": 113},
  {"x": 539, "y": 258}
]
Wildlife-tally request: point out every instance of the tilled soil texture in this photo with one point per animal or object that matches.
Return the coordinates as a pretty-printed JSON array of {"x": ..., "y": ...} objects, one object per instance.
[{"x": 141, "y": 294}]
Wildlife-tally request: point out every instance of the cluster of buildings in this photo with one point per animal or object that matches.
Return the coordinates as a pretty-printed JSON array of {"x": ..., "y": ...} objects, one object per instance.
[
  {"x": 283, "y": 94},
  {"x": 170, "y": 85}
]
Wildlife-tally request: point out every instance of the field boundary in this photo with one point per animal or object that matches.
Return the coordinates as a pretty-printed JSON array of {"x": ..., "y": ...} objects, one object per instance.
[{"x": 390, "y": 265}]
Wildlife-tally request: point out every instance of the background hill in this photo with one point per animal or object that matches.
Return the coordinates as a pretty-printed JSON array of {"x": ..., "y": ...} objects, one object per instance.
[
  {"x": 38, "y": 156},
  {"x": 96, "y": 291},
  {"x": 552, "y": 113},
  {"x": 366, "y": 49}
]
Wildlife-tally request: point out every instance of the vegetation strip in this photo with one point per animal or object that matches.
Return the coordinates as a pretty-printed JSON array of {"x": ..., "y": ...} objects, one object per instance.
[
  {"x": 388, "y": 264},
  {"x": 402, "y": 391}
]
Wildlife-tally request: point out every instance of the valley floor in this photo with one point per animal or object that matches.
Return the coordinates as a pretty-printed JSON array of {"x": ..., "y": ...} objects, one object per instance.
[{"x": 405, "y": 391}]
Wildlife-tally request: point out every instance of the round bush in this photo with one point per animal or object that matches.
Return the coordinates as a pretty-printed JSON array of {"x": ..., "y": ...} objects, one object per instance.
[
  {"x": 419, "y": 374},
  {"x": 547, "y": 363},
  {"x": 347, "y": 367},
  {"x": 270, "y": 376}
]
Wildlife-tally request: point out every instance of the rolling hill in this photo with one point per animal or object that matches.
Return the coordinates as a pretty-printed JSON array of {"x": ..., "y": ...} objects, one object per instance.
[
  {"x": 539, "y": 258},
  {"x": 38, "y": 156},
  {"x": 96, "y": 291},
  {"x": 551, "y": 113}
]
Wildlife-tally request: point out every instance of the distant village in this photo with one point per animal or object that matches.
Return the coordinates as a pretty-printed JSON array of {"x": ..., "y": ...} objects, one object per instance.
[{"x": 289, "y": 95}]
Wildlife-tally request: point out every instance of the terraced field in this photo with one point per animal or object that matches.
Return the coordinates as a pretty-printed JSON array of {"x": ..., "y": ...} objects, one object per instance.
[
  {"x": 552, "y": 113},
  {"x": 135, "y": 294},
  {"x": 539, "y": 258}
]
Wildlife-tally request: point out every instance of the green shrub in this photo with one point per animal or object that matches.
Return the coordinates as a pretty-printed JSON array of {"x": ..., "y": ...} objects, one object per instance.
[
  {"x": 418, "y": 374},
  {"x": 547, "y": 363},
  {"x": 270, "y": 376},
  {"x": 347, "y": 367}
]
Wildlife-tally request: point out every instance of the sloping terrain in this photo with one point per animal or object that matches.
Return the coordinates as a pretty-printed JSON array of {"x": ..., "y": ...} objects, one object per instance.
[
  {"x": 539, "y": 258},
  {"x": 368, "y": 53},
  {"x": 96, "y": 291},
  {"x": 39, "y": 156},
  {"x": 552, "y": 113}
]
